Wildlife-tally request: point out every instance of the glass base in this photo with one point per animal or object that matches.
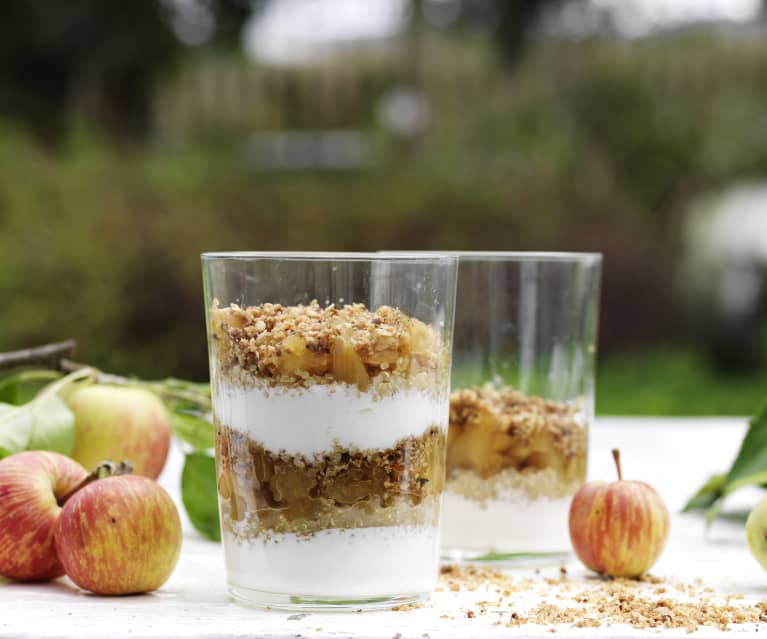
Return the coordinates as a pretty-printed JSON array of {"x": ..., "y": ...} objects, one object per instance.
[
  {"x": 313, "y": 603},
  {"x": 511, "y": 559}
]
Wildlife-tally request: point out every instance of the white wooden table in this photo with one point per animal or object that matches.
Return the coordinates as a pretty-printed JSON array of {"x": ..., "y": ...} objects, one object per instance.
[{"x": 675, "y": 455}]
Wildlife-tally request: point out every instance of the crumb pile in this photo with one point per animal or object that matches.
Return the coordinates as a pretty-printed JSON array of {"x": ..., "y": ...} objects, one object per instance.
[{"x": 593, "y": 603}]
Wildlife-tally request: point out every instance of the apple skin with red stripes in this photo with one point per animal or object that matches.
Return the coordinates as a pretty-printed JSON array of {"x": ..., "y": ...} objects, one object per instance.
[
  {"x": 31, "y": 485},
  {"x": 118, "y": 536},
  {"x": 618, "y": 529}
]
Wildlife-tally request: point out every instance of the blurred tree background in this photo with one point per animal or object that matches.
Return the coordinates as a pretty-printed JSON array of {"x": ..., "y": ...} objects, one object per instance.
[{"x": 134, "y": 136}]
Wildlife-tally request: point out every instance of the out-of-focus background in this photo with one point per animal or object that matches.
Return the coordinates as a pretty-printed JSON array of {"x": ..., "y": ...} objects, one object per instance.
[{"x": 134, "y": 135}]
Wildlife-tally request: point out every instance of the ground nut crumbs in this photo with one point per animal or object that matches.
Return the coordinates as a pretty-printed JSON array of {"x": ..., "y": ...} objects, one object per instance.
[
  {"x": 302, "y": 345},
  {"x": 596, "y": 602}
]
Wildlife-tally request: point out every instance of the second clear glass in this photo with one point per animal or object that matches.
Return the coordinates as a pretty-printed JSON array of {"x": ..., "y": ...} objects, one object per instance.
[{"x": 521, "y": 404}]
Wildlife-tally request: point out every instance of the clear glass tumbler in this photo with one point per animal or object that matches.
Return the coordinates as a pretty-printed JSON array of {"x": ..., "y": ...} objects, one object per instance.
[
  {"x": 330, "y": 384},
  {"x": 521, "y": 404}
]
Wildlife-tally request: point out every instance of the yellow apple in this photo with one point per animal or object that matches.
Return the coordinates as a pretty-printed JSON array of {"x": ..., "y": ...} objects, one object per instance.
[{"x": 120, "y": 423}]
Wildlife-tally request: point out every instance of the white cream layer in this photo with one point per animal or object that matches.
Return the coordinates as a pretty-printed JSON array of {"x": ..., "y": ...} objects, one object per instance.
[
  {"x": 510, "y": 525},
  {"x": 345, "y": 563},
  {"x": 312, "y": 420}
]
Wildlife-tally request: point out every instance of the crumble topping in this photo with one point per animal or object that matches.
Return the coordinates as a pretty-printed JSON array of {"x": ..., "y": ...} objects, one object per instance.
[
  {"x": 310, "y": 344},
  {"x": 511, "y": 440}
]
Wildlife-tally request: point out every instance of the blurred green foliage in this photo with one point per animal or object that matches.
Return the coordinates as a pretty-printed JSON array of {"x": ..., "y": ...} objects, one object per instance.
[
  {"x": 671, "y": 381},
  {"x": 595, "y": 145}
]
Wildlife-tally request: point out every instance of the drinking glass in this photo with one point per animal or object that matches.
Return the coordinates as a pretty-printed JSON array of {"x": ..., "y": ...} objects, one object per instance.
[
  {"x": 522, "y": 402},
  {"x": 330, "y": 387}
]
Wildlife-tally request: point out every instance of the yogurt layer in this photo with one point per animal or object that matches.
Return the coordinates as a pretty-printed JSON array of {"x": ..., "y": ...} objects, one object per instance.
[
  {"x": 343, "y": 563},
  {"x": 309, "y": 421},
  {"x": 512, "y": 524}
]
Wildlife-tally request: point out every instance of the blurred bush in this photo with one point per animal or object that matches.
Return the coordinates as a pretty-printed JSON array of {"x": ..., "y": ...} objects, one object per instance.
[{"x": 598, "y": 145}]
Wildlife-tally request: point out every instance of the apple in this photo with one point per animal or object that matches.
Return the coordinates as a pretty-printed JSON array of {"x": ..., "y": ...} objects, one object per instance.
[
  {"x": 756, "y": 532},
  {"x": 115, "y": 422},
  {"x": 119, "y": 535},
  {"x": 32, "y": 487},
  {"x": 619, "y": 528}
]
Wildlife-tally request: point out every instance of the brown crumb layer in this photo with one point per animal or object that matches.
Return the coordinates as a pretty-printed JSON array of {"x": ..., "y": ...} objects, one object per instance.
[
  {"x": 308, "y": 344},
  {"x": 642, "y": 604},
  {"x": 530, "y": 482},
  {"x": 496, "y": 429},
  {"x": 262, "y": 491}
]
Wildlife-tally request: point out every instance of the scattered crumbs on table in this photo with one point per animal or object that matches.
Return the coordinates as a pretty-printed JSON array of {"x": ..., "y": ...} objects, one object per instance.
[
  {"x": 406, "y": 607},
  {"x": 601, "y": 602}
]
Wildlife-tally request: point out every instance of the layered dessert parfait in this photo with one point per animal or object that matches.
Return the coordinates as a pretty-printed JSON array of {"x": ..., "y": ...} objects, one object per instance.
[
  {"x": 331, "y": 426},
  {"x": 513, "y": 463}
]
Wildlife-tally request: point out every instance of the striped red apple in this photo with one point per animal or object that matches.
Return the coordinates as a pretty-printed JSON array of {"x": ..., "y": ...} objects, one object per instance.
[
  {"x": 32, "y": 488},
  {"x": 112, "y": 533},
  {"x": 618, "y": 529},
  {"x": 119, "y": 535}
]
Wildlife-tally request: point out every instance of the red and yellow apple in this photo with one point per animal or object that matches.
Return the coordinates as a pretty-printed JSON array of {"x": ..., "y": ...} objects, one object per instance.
[
  {"x": 114, "y": 422},
  {"x": 31, "y": 487},
  {"x": 619, "y": 528},
  {"x": 119, "y": 535}
]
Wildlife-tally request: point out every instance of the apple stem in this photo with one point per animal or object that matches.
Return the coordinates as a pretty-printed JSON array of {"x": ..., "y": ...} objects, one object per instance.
[
  {"x": 617, "y": 458},
  {"x": 105, "y": 469}
]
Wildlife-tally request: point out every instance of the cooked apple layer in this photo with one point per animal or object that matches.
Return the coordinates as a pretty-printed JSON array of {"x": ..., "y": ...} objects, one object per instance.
[
  {"x": 382, "y": 350},
  {"x": 502, "y": 440},
  {"x": 264, "y": 492}
]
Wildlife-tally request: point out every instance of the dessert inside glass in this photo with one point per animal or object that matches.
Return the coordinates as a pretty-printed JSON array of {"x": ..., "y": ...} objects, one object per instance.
[
  {"x": 331, "y": 426},
  {"x": 521, "y": 403}
]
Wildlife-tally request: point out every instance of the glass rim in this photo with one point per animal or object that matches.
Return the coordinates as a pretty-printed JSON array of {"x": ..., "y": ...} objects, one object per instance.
[
  {"x": 518, "y": 256},
  {"x": 330, "y": 256}
]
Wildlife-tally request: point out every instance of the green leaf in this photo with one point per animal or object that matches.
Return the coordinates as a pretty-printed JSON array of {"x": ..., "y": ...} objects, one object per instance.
[
  {"x": 707, "y": 495},
  {"x": 748, "y": 469},
  {"x": 193, "y": 429},
  {"x": 200, "y": 495},
  {"x": 713, "y": 511},
  {"x": 22, "y": 386},
  {"x": 750, "y": 465},
  {"x": 15, "y": 429},
  {"x": 53, "y": 426},
  {"x": 45, "y": 424}
]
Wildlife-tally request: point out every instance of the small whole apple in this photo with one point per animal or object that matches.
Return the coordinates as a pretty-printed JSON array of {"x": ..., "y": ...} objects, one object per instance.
[
  {"x": 618, "y": 529},
  {"x": 32, "y": 485},
  {"x": 119, "y": 535},
  {"x": 756, "y": 532},
  {"x": 115, "y": 422}
]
